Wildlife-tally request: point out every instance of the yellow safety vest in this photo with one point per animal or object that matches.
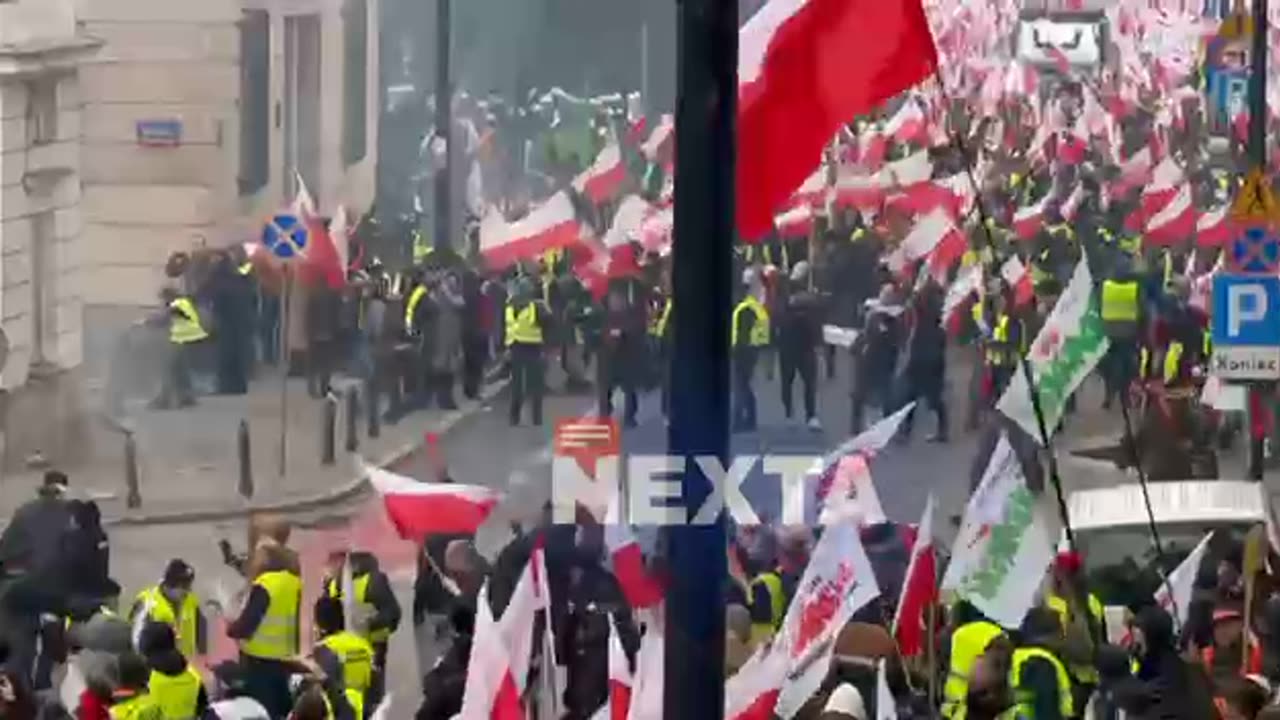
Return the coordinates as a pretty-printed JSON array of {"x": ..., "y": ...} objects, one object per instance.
[
  {"x": 1024, "y": 708},
  {"x": 183, "y": 620},
  {"x": 104, "y": 611},
  {"x": 421, "y": 248},
  {"x": 660, "y": 327},
  {"x": 772, "y": 583},
  {"x": 523, "y": 327},
  {"x": 187, "y": 328},
  {"x": 356, "y": 655},
  {"x": 968, "y": 643},
  {"x": 138, "y": 707},
  {"x": 176, "y": 694},
  {"x": 760, "y": 331},
  {"x": 1119, "y": 301},
  {"x": 411, "y": 306},
  {"x": 1131, "y": 244},
  {"x": 1001, "y": 351},
  {"x": 276, "y": 637},
  {"x": 1172, "y": 360},
  {"x": 360, "y": 585},
  {"x": 245, "y": 268},
  {"x": 1082, "y": 673}
]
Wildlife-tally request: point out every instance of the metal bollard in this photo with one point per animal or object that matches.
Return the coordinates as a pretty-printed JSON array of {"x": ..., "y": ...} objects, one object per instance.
[
  {"x": 353, "y": 419},
  {"x": 245, "y": 460},
  {"x": 134, "y": 499},
  {"x": 371, "y": 406},
  {"x": 328, "y": 430}
]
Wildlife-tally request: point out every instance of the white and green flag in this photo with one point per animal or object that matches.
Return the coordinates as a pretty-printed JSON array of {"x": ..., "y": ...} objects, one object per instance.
[
  {"x": 1004, "y": 546},
  {"x": 1068, "y": 347}
]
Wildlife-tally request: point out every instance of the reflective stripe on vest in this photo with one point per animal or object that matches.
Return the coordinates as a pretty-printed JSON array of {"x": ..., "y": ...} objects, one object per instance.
[
  {"x": 1172, "y": 361},
  {"x": 356, "y": 655},
  {"x": 183, "y": 621},
  {"x": 276, "y": 637},
  {"x": 760, "y": 331},
  {"x": 186, "y": 328},
  {"x": 411, "y": 306},
  {"x": 364, "y": 609},
  {"x": 523, "y": 326},
  {"x": 968, "y": 643},
  {"x": 1083, "y": 673},
  {"x": 1120, "y": 301},
  {"x": 138, "y": 707},
  {"x": 176, "y": 695},
  {"x": 660, "y": 327},
  {"x": 1023, "y": 699}
]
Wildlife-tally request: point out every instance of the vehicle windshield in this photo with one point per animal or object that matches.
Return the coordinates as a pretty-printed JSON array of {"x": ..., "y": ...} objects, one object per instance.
[{"x": 1121, "y": 563}]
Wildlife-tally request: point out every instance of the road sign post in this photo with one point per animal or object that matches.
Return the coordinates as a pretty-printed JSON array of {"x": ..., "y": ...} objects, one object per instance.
[{"x": 286, "y": 236}]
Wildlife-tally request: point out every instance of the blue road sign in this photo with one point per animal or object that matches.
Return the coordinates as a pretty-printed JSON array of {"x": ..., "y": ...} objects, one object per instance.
[
  {"x": 285, "y": 236},
  {"x": 1256, "y": 250},
  {"x": 1246, "y": 310}
]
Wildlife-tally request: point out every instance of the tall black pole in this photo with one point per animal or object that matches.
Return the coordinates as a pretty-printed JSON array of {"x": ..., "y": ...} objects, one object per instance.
[
  {"x": 702, "y": 265},
  {"x": 444, "y": 125},
  {"x": 1258, "y": 161}
]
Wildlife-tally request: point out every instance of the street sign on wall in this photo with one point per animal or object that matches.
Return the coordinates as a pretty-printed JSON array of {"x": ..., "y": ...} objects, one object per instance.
[{"x": 1246, "y": 327}]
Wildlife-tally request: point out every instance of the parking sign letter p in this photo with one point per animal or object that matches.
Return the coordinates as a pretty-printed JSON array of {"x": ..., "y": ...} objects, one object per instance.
[{"x": 1245, "y": 303}]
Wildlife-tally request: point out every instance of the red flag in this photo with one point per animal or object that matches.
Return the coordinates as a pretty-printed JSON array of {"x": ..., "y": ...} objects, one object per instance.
[
  {"x": 491, "y": 692},
  {"x": 640, "y": 587},
  {"x": 620, "y": 677},
  {"x": 419, "y": 509},
  {"x": 919, "y": 588},
  {"x": 807, "y": 67}
]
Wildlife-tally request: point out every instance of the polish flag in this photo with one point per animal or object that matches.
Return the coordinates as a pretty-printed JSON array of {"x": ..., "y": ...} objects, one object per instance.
[
  {"x": 550, "y": 226},
  {"x": 906, "y": 173},
  {"x": 1213, "y": 228},
  {"x": 646, "y": 693},
  {"x": 1134, "y": 172},
  {"x": 908, "y": 124},
  {"x": 640, "y": 588},
  {"x": 814, "y": 189},
  {"x": 530, "y": 597},
  {"x": 1161, "y": 190},
  {"x": 1071, "y": 206},
  {"x": 968, "y": 282},
  {"x": 602, "y": 181},
  {"x": 753, "y": 691},
  {"x": 946, "y": 255},
  {"x": 491, "y": 692},
  {"x": 340, "y": 236},
  {"x": 620, "y": 677},
  {"x": 795, "y": 223},
  {"x": 872, "y": 146},
  {"x": 656, "y": 229},
  {"x": 919, "y": 589},
  {"x": 659, "y": 148},
  {"x": 929, "y": 232},
  {"x": 955, "y": 194},
  {"x": 1017, "y": 277},
  {"x": 421, "y": 509},
  {"x": 806, "y": 67},
  {"x": 862, "y": 192},
  {"x": 1028, "y": 221},
  {"x": 1175, "y": 222}
]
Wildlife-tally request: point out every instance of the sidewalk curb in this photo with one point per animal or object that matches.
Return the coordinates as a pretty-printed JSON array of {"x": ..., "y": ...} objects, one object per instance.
[{"x": 344, "y": 492}]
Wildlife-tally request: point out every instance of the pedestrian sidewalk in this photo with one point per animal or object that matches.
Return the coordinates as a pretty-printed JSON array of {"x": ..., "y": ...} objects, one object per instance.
[{"x": 187, "y": 459}]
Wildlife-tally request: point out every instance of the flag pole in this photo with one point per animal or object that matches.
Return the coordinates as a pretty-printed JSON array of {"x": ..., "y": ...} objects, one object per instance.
[{"x": 285, "y": 309}]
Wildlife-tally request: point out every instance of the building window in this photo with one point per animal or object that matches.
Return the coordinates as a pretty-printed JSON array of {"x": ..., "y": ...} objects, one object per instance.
[
  {"x": 255, "y": 100},
  {"x": 355, "y": 74},
  {"x": 42, "y": 111},
  {"x": 44, "y": 291}
]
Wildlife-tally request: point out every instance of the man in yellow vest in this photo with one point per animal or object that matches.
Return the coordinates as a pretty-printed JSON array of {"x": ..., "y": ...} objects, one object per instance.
[
  {"x": 1039, "y": 681},
  {"x": 268, "y": 629},
  {"x": 346, "y": 659},
  {"x": 525, "y": 321},
  {"x": 1120, "y": 305},
  {"x": 772, "y": 590},
  {"x": 375, "y": 611},
  {"x": 174, "y": 684},
  {"x": 1082, "y": 622},
  {"x": 972, "y": 637},
  {"x": 173, "y": 603},
  {"x": 130, "y": 700},
  {"x": 749, "y": 337},
  {"x": 662, "y": 336},
  {"x": 185, "y": 332}
]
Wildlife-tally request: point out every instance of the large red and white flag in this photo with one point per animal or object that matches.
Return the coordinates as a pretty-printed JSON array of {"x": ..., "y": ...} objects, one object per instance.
[
  {"x": 929, "y": 232},
  {"x": 1175, "y": 222},
  {"x": 1213, "y": 228},
  {"x": 1164, "y": 185},
  {"x": 903, "y": 175},
  {"x": 1135, "y": 171},
  {"x": 908, "y": 124},
  {"x": 646, "y": 695},
  {"x": 919, "y": 589},
  {"x": 531, "y": 596},
  {"x": 621, "y": 678},
  {"x": 752, "y": 692},
  {"x": 638, "y": 585},
  {"x": 795, "y": 223},
  {"x": 550, "y": 226},
  {"x": 491, "y": 692},
  {"x": 805, "y": 67},
  {"x": 1016, "y": 275},
  {"x": 420, "y": 509},
  {"x": 602, "y": 181},
  {"x": 838, "y": 582},
  {"x": 968, "y": 282},
  {"x": 1028, "y": 221}
]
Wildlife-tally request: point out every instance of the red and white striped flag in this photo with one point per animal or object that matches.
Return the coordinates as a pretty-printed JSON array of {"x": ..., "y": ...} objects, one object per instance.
[
  {"x": 602, "y": 181},
  {"x": 1175, "y": 222},
  {"x": 550, "y": 226},
  {"x": 1028, "y": 221},
  {"x": 1018, "y": 278},
  {"x": 1213, "y": 228},
  {"x": 919, "y": 588},
  {"x": 491, "y": 692},
  {"x": 420, "y": 509}
]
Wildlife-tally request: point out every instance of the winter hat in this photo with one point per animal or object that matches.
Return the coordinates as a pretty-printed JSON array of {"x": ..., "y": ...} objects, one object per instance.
[{"x": 846, "y": 700}]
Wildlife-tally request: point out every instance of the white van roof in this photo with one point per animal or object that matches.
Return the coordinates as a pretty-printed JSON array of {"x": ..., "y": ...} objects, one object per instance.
[{"x": 1190, "y": 501}]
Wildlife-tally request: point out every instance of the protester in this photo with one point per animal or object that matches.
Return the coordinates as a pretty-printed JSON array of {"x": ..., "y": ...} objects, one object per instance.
[{"x": 174, "y": 684}]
